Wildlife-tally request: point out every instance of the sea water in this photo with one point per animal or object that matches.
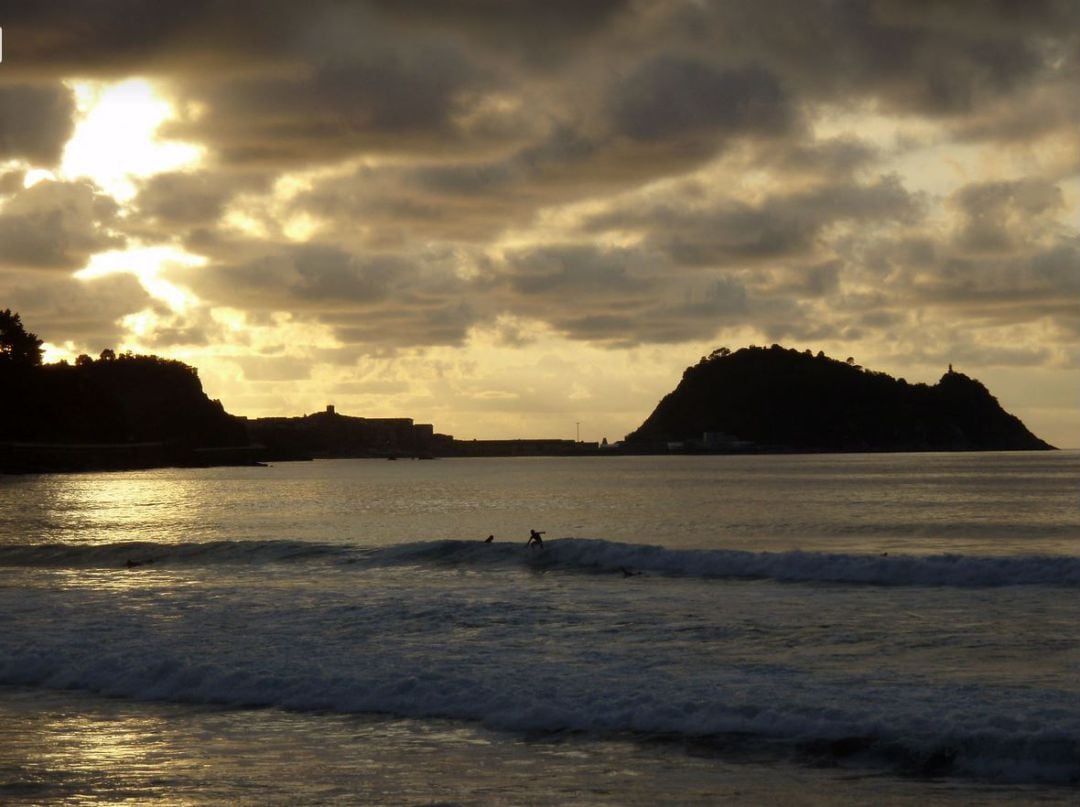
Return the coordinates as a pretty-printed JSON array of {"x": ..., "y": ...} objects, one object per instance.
[{"x": 898, "y": 629}]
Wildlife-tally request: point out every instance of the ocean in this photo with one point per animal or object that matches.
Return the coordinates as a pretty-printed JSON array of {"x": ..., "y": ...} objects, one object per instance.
[{"x": 810, "y": 629}]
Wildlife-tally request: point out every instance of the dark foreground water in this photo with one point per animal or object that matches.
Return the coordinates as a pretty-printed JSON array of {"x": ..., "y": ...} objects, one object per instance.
[{"x": 865, "y": 629}]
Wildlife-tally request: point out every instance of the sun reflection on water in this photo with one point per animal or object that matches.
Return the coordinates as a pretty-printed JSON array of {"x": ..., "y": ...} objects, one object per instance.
[{"x": 116, "y": 508}]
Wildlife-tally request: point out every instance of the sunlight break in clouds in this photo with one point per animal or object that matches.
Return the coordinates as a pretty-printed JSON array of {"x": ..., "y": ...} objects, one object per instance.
[
  {"x": 115, "y": 139},
  {"x": 114, "y": 144},
  {"x": 145, "y": 263}
]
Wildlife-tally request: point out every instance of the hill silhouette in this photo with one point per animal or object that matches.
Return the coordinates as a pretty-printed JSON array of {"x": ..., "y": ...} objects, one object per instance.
[
  {"x": 117, "y": 411},
  {"x": 780, "y": 399},
  {"x": 122, "y": 399}
]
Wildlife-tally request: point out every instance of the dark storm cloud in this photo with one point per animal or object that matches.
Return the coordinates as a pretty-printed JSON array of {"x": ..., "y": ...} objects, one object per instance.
[
  {"x": 581, "y": 275},
  {"x": 672, "y": 96},
  {"x": 56, "y": 225},
  {"x": 309, "y": 274},
  {"x": 414, "y": 321},
  {"x": 727, "y": 232},
  {"x": 396, "y": 66},
  {"x": 681, "y": 312},
  {"x": 803, "y": 282},
  {"x": 193, "y": 198},
  {"x": 998, "y": 216},
  {"x": 563, "y": 149},
  {"x": 542, "y": 33},
  {"x": 35, "y": 121},
  {"x": 1044, "y": 283},
  {"x": 61, "y": 309},
  {"x": 114, "y": 37},
  {"x": 616, "y": 296},
  {"x": 111, "y": 38},
  {"x": 927, "y": 58},
  {"x": 465, "y": 200},
  {"x": 374, "y": 98},
  {"x": 377, "y": 297}
]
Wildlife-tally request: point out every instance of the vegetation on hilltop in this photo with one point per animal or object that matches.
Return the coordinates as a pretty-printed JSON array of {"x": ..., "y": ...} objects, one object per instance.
[
  {"x": 777, "y": 398},
  {"x": 122, "y": 398}
]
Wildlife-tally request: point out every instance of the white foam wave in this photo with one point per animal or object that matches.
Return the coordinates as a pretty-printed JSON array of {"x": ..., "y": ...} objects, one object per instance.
[{"x": 823, "y": 721}]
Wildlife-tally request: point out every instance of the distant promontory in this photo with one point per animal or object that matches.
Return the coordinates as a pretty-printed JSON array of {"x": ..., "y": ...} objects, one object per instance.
[
  {"x": 126, "y": 411},
  {"x": 777, "y": 399},
  {"x": 119, "y": 411}
]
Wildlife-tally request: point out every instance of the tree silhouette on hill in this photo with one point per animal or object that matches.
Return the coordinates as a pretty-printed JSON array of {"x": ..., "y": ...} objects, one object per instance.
[
  {"x": 123, "y": 398},
  {"x": 18, "y": 347}
]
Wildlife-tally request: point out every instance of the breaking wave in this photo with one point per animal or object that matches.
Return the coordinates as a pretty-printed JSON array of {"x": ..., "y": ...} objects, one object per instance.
[
  {"x": 598, "y": 556},
  {"x": 1035, "y": 739},
  {"x": 579, "y": 555}
]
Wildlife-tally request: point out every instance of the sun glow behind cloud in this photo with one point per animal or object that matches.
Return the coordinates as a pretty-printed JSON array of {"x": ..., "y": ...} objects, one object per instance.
[
  {"x": 146, "y": 264},
  {"x": 116, "y": 139},
  {"x": 115, "y": 144}
]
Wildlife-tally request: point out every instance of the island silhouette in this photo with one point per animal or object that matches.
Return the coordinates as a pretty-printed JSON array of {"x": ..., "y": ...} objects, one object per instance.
[
  {"x": 124, "y": 411},
  {"x": 779, "y": 399}
]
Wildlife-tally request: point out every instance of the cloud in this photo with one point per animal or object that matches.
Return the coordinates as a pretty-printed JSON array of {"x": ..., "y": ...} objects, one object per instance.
[
  {"x": 672, "y": 96},
  {"x": 470, "y": 200},
  {"x": 275, "y": 368},
  {"x": 86, "y": 312},
  {"x": 725, "y": 232},
  {"x": 309, "y": 274},
  {"x": 1003, "y": 215},
  {"x": 1018, "y": 288},
  {"x": 367, "y": 297},
  {"x": 56, "y": 225},
  {"x": 585, "y": 274},
  {"x": 11, "y": 182},
  {"x": 193, "y": 198},
  {"x": 36, "y": 121},
  {"x": 615, "y": 296},
  {"x": 124, "y": 37},
  {"x": 346, "y": 82},
  {"x": 939, "y": 59},
  {"x": 541, "y": 34}
]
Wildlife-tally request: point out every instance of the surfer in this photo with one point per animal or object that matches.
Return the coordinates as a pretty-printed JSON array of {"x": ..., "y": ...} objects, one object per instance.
[
  {"x": 489, "y": 539},
  {"x": 534, "y": 538}
]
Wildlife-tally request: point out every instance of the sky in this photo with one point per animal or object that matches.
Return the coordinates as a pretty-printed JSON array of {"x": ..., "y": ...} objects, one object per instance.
[{"x": 525, "y": 219}]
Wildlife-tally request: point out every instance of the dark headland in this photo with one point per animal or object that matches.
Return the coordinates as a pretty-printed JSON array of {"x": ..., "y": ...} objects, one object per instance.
[
  {"x": 777, "y": 399},
  {"x": 128, "y": 411}
]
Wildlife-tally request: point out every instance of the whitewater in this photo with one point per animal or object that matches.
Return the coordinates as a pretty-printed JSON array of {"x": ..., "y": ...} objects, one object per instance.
[{"x": 807, "y": 629}]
